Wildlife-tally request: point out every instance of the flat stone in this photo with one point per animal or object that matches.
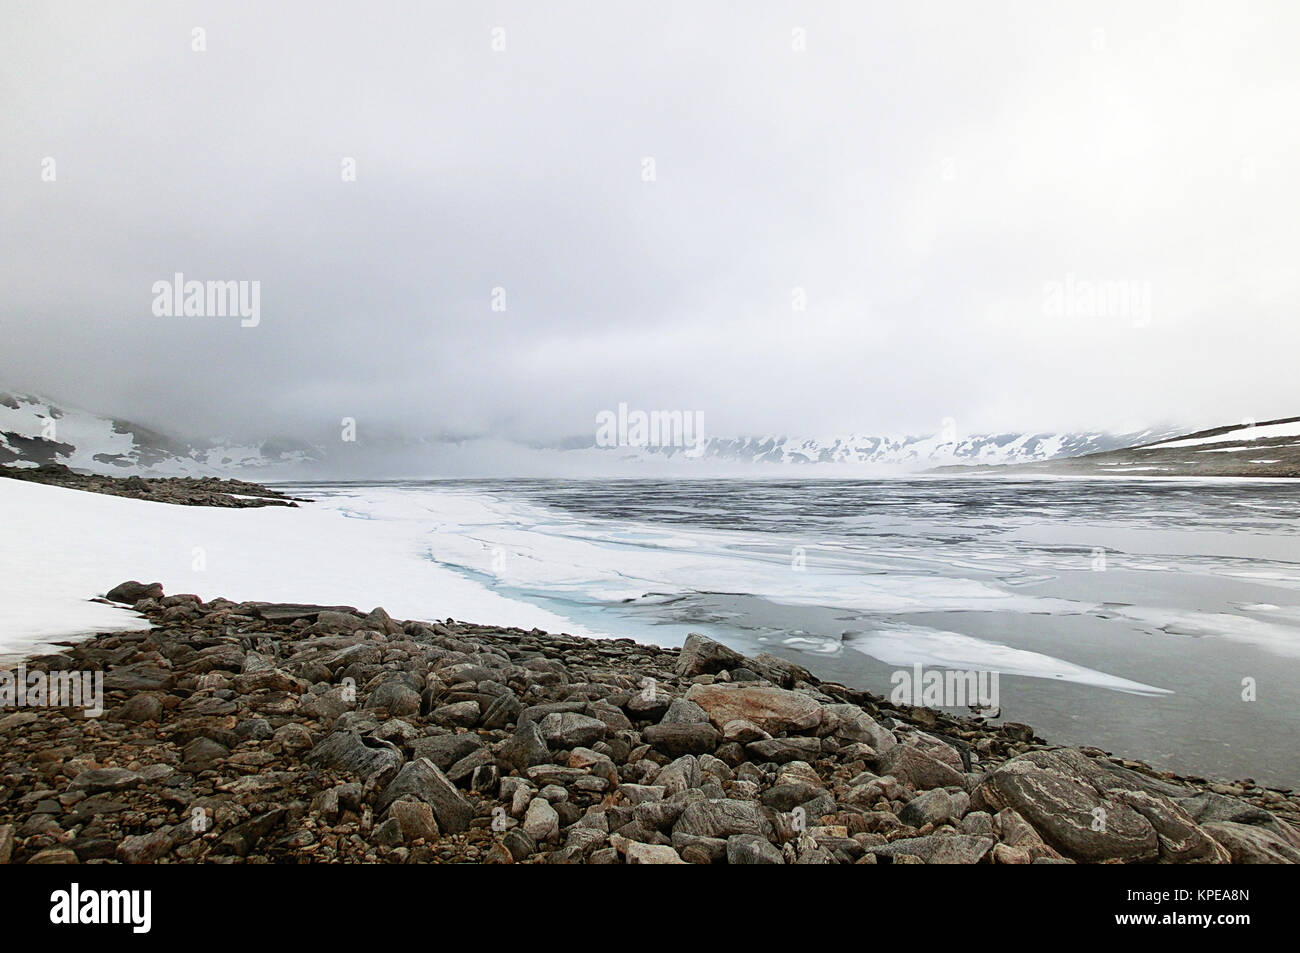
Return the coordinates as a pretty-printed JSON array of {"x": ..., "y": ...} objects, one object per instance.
[
  {"x": 772, "y": 709},
  {"x": 723, "y": 817},
  {"x": 937, "y": 849},
  {"x": 678, "y": 739},
  {"x": 638, "y": 853},
  {"x": 105, "y": 779},
  {"x": 782, "y": 750}
]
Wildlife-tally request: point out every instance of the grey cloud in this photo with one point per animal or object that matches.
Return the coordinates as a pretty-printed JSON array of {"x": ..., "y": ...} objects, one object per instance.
[{"x": 921, "y": 173}]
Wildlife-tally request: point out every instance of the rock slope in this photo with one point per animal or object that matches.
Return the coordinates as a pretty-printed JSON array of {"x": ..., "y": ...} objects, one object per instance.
[
  {"x": 184, "y": 491},
  {"x": 261, "y": 733}
]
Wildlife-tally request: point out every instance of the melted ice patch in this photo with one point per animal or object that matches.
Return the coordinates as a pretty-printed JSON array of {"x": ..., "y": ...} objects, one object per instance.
[{"x": 911, "y": 645}]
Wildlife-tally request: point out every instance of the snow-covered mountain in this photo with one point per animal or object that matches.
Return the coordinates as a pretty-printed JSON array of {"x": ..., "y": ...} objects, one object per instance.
[
  {"x": 34, "y": 431},
  {"x": 899, "y": 450},
  {"x": 1268, "y": 449}
]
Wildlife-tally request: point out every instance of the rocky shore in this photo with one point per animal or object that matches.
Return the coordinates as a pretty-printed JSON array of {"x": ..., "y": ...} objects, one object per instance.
[
  {"x": 268, "y": 733},
  {"x": 183, "y": 491}
]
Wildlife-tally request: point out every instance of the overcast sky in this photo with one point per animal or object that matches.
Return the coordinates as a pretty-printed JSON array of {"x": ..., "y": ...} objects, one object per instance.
[{"x": 931, "y": 176}]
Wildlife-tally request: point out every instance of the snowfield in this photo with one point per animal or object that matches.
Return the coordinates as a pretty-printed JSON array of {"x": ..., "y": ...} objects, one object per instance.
[
  {"x": 1265, "y": 432},
  {"x": 433, "y": 552},
  {"x": 63, "y": 547}
]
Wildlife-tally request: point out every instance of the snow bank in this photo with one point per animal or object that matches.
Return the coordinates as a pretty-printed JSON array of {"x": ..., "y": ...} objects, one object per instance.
[
  {"x": 63, "y": 547},
  {"x": 1265, "y": 432}
]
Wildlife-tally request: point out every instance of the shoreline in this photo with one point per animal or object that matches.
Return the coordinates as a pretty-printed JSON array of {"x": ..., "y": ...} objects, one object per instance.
[
  {"x": 264, "y": 732},
  {"x": 182, "y": 491}
]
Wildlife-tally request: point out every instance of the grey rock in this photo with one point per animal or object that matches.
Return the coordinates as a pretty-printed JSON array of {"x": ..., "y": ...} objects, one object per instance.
[
  {"x": 701, "y": 655},
  {"x": 752, "y": 849},
  {"x": 446, "y": 750},
  {"x": 105, "y": 779},
  {"x": 464, "y": 714},
  {"x": 934, "y": 807},
  {"x": 424, "y": 781},
  {"x": 1247, "y": 844},
  {"x": 1054, "y": 794},
  {"x": 682, "y": 711},
  {"x": 723, "y": 817},
  {"x": 937, "y": 849},
  {"x": 129, "y": 593},
  {"x": 682, "y": 738},
  {"x": 638, "y": 853},
  {"x": 918, "y": 770},
  {"x": 145, "y": 848},
  {"x": 526, "y": 748},
  {"x": 781, "y": 750},
  {"x": 395, "y": 698},
  {"x": 571, "y": 730},
  {"x": 541, "y": 822},
  {"x": 345, "y": 750}
]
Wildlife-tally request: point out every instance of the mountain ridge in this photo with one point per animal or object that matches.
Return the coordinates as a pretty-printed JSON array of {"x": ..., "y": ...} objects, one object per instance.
[{"x": 36, "y": 431}]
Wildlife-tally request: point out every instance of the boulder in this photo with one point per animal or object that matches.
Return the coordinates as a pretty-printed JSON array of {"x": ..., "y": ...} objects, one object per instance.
[
  {"x": 850, "y": 723},
  {"x": 919, "y": 770},
  {"x": 752, "y": 849},
  {"x": 526, "y": 748},
  {"x": 129, "y": 593},
  {"x": 541, "y": 822},
  {"x": 446, "y": 750},
  {"x": 703, "y": 656},
  {"x": 345, "y": 750},
  {"x": 1247, "y": 844},
  {"x": 638, "y": 853},
  {"x": 424, "y": 781},
  {"x": 934, "y": 807},
  {"x": 569, "y": 729},
  {"x": 679, "y": 739},
  {"x": 723, "y": 817},
  {"x": 773, "y": 710},
  {"x": 937, "y": 848},
  {"x": 1053, "y": 793}
]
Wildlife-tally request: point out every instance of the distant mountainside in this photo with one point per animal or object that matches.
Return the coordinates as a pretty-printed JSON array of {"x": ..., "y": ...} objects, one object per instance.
[
  {"x": 33, "y": 431},
  {"x": 1270, "y": 448},
  {"x": 899, "y": 450}
]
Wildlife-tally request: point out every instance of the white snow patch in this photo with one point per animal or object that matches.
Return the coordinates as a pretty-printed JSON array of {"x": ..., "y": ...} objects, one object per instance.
[
  {"x": 64, "y": 547},
  {"x": 1267, "y": 432},
  {"x": 911, "y": 645}
]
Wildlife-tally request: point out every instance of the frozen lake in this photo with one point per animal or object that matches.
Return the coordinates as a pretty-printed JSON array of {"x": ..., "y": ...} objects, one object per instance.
[
  {"x": 1136, "y": 615},
  {"x": 1141, "y": 616}
]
